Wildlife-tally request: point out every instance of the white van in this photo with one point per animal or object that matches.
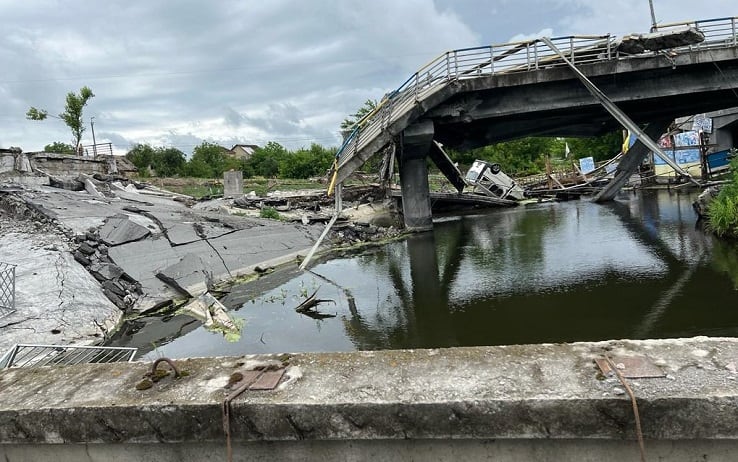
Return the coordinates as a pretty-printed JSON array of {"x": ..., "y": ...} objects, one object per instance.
[{"x": 492, "y": 181}]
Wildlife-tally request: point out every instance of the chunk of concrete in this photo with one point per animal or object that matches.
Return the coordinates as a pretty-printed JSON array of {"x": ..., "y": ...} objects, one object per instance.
[
  {"x": 233, "y": 183},
  {"x": 118, "y": 230},
  {"x": 106, "y": 271},
  {"x": 188, "y": 276}
]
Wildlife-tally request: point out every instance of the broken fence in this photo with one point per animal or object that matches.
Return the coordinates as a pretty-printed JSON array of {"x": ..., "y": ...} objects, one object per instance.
[
  {"x": 7, "y": 289},
  {"x": 29, "y": 355}
]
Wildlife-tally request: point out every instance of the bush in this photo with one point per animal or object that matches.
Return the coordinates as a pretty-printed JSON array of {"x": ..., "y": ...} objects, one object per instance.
[
  {"x": 723, "y": 210},
  {"x": 269, "y": 212}
]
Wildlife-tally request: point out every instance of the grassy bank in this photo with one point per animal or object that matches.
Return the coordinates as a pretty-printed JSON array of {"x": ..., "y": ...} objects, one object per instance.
[{"x": 723, "y": 211}]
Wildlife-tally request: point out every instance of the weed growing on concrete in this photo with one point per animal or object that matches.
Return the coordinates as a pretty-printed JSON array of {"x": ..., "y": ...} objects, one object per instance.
[{"x": 270, "y": 212}]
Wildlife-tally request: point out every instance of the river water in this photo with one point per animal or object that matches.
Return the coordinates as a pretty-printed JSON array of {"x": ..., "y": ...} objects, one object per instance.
[{"x": 547, "y": 272}]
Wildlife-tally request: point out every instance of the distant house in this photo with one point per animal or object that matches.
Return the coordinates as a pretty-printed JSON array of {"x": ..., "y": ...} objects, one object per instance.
[{"x": 243, "y": 151}]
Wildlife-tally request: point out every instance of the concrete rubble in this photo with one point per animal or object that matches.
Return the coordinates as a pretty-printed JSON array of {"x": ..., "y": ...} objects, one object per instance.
[
  {"x": 124, "y": 250},
  {"x": 106, "y": 246}
]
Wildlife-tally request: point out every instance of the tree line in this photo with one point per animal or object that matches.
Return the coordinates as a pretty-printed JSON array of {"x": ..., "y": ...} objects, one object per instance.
[
  {"x": 519, "y": 157},
  {"x": 210, "y": 160}
]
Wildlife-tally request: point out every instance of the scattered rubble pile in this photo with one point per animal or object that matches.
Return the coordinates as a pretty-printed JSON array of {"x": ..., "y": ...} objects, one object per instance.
[{"x": 117, "y": 285}]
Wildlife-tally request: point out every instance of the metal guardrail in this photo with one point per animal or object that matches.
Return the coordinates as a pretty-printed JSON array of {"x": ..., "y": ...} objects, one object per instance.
[
  {"x": 7, "y": 289},
  {"x": 99, "y": 149},
  {"x": 29, "y": 355},
  {"x": 506, "y": 58}
]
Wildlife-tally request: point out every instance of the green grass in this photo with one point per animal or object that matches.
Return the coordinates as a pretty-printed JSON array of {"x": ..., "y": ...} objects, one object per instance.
[
  {"x": 723, "y": 210},
  {"x": 270, "y": 212}
]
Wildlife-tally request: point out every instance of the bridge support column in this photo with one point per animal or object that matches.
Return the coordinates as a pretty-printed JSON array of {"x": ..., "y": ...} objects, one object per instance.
[
  {"x": 416, "y": 204},
  {"x": 630, "y": 161}
]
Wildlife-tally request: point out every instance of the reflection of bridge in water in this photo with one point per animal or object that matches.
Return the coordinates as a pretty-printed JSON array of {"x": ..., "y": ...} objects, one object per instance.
[
  {"x": 540, "y": 275},
  {"x": 566, "y": 86}
]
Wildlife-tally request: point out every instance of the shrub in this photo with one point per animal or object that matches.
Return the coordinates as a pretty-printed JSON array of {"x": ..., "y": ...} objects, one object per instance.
[{"x": 269, "y": 212}]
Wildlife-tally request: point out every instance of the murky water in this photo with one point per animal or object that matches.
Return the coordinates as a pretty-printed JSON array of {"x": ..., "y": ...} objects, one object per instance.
[{"x": 548, "y": 272}]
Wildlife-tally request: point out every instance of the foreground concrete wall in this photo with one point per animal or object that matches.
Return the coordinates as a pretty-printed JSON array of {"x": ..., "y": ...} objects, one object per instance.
[{"x": 535, "y": 402}]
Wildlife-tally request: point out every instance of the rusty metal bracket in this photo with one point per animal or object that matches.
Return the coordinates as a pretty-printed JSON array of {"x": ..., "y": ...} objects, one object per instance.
[
  {"x": 177, "y": 374},
  {"x": 261, "y": 379}
]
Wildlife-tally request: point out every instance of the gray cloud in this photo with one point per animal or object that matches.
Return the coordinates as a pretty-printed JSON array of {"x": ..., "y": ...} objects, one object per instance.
[{"x": 180, "y": 72}]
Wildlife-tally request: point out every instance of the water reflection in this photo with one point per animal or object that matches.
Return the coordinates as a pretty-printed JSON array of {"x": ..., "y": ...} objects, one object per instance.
[{"x": 550, "y": 272}]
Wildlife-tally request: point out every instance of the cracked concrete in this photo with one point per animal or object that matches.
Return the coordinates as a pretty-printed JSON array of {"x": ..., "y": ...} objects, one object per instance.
[
  {"x": 133, "y": 235},
  {"x": 57, "y": 300}
]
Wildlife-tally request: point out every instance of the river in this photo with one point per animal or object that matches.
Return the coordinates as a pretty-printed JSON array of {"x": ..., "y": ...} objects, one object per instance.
[{"x": 638, "y": 267}]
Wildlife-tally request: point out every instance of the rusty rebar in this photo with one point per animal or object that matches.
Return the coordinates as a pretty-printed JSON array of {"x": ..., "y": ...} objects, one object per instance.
[{"x": 177, "y": 374}]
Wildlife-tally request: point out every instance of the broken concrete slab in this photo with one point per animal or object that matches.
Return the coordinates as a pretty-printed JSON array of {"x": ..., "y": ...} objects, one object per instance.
[
  {"x": 105, "y": 271},
  {"x": 182, "y": 233},
  {"x": 118, "y": 230},
  {"x": 57, "y": 300},
  {"x": 188, "y": 276}
]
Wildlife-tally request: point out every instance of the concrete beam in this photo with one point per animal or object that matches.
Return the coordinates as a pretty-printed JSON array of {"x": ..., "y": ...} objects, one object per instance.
[
  {"x": 526, "y": 399},
  {"x": 416, "y": 203},
  {"x": 630, "y": 162}
]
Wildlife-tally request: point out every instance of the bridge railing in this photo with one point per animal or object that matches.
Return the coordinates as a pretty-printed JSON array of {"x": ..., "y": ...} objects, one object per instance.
[
  {"x": 505, "y": 58},
  {"x": 718, "y": 32}
]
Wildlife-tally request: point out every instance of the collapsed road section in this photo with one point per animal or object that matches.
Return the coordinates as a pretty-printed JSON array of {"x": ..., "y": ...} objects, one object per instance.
[{"x": 143, "y": 248}]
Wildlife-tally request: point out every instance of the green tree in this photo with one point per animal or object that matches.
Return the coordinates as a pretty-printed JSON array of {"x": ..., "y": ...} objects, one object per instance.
[
  {"x": 72, "y": 115},
  {"x": 348, "y": 123},
  {"x": 142, "y": 156},
  {"x": 60, "y": 148},
  {"x": 600, "y": 147},
  {"x": 168, "y": 161},
  {"x": 208, "y": 161},
  {"x": 266, "y": 160},
  {"x": 198, "y": 168},
  {"x": 306, "y": 163}
]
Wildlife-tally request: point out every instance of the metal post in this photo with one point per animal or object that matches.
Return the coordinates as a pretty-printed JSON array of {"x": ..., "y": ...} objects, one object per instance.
[
  {"x": 654, "y": 27},
  {"x": 619, "y": 115},
  {"x": 94, "y": 143},
  {"x": 491, "y": 60}
]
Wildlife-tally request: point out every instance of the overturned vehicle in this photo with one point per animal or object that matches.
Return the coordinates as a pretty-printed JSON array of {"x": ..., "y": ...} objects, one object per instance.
[{"x": 492, "y": 181}]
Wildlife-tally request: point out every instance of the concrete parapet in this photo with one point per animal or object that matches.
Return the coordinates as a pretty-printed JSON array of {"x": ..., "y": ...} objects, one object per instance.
[{"x": 530, "y": 402}]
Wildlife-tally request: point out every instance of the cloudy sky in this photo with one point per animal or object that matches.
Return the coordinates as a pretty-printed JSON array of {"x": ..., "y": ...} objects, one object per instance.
[{"x": 175, "y": 73}]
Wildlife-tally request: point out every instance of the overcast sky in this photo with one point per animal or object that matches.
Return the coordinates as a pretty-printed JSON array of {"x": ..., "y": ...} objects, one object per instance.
[{"x": 175, "y": 73}]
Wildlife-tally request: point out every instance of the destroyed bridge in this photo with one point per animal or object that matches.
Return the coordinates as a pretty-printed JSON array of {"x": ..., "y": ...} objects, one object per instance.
[{"x": 566, "y": 86}]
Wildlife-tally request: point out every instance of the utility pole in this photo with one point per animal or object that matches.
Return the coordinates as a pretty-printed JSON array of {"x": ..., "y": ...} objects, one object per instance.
[
  {"x": 94, "y": 143},
  {"x": 654, "y": 27}
]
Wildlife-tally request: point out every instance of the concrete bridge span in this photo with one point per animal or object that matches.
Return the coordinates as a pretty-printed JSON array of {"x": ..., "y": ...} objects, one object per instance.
[{"x": 479, "y": 96}]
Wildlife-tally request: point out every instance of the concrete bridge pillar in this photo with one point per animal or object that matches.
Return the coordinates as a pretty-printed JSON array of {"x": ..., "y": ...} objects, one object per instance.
[{"x": 416, "y": 204}]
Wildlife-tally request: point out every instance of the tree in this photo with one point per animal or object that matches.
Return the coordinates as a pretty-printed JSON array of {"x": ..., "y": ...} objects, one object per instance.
[
  {"x": 142, "y": 156},
  {"x": 72, "y": 115},
  {"x": 60, "y": 148},
  {"x": 168, "y": 161},
  {"x": 305, "y": 163},
  {"x": 600, "y": 147},
  {"x": 208, "y": 161},
  {"x": 266, "y": 160},
  {"x": 348, "y": 123}
]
